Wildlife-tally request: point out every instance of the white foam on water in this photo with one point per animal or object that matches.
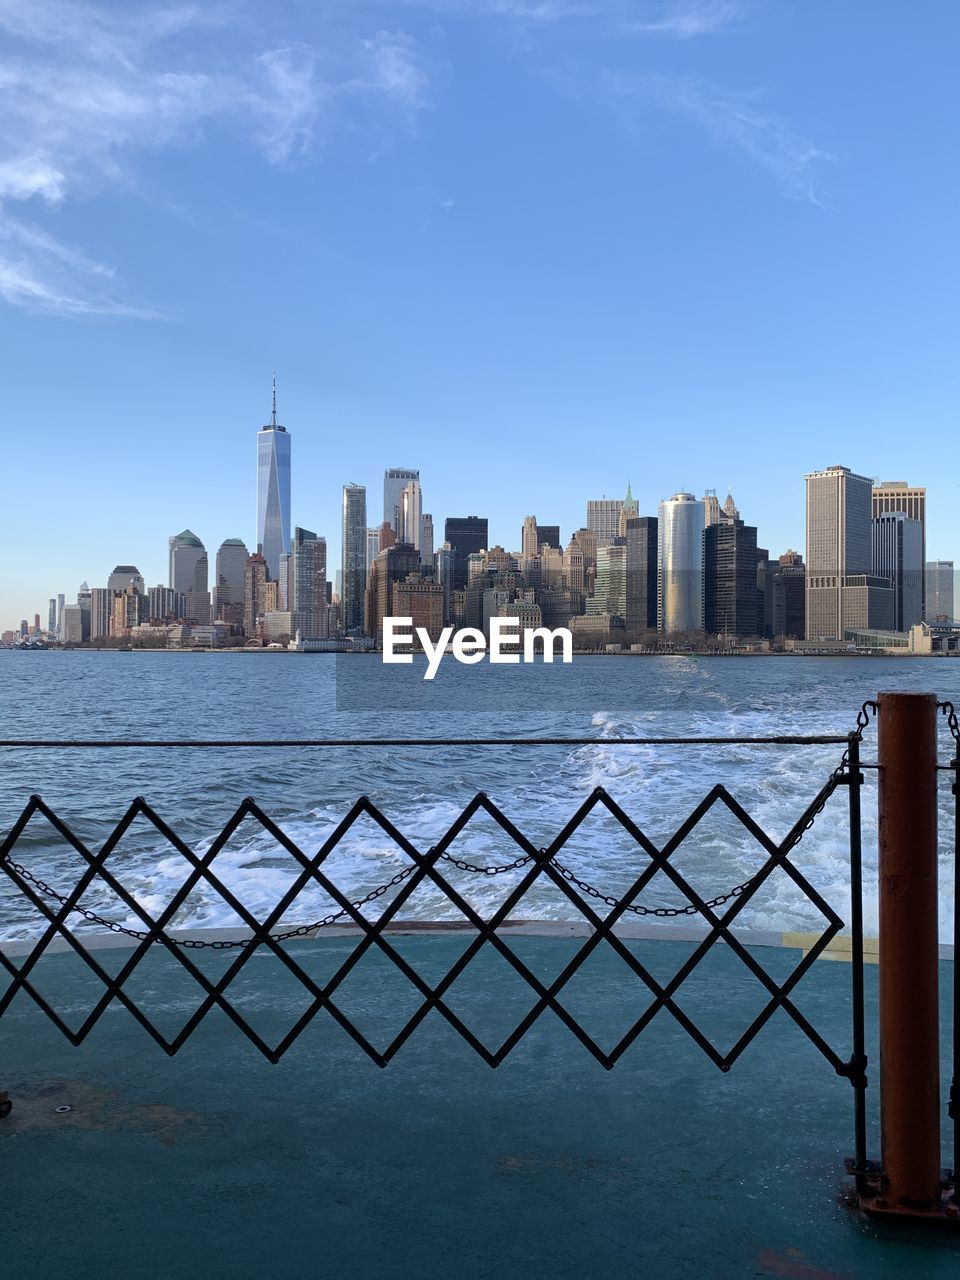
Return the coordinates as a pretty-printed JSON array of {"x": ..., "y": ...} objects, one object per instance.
[{"x": 539, "y": 791}]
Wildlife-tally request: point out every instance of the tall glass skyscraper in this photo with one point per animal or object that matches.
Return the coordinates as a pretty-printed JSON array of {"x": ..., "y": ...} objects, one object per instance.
[
  {"x": 273, "y": 491},
  {"x": 680, "y": 564},
  {"x": 353, "y": 580}
]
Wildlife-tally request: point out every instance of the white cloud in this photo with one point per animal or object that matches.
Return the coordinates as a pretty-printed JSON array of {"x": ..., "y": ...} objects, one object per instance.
[
  {"x": 87, "y": 90},
  {"x": 28, "y": 175},
  {"x": 734, "y": 120},
  {"x": 690, "y": 18},
  {"x": 679, "y": 18},
  {"x": 287, "y": 105}
]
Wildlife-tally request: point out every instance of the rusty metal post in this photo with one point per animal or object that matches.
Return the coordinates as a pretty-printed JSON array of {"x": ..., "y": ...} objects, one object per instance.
[{"x": 909, "y": 954}]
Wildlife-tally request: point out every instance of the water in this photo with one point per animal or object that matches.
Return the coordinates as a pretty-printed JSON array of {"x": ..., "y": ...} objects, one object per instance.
[{"x": 422, "y": 790}]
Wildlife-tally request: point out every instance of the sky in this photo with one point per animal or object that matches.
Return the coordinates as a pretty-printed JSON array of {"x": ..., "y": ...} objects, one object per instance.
[{"x": 536, "y": 248}]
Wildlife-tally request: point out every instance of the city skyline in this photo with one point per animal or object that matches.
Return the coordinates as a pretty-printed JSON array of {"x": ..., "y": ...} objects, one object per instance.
[
  {"x": 275, "y": 509},
  {"x": 441, "y": 271},
  {"x": 696, "y": 567}
]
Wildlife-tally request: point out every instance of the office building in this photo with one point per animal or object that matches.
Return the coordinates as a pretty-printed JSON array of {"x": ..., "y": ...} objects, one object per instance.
[
  {"x": 793, "y": 574},
  {"x": 411, "y": 511},
  {"x": 896, "y": 495},
  {"x": 421, "y": 599},
  {"x": 730, "y": 601},
  {"x": 443, "y": 574},
  {"x": 227, "y": 604},
  {"x": 391, "y": 566},
  {"x": 100, "y": 610},
  {"x": 188, "y": 563},
  {"x": 680, "y": 564},
  {"x": 529, "y": 538},
  {"x": 83, "y": 603},
  {"x": 628, "y": 511},
  {"x": 273, "y": 491},
  {"x": 898, "y": 555},
  {"x": 729, "y": 511},
  {"x": 353, "y": 558},
  {"x": 52, "y": 616},
  {"x": 940, "y": 583},
  {"x": 394, "y": 481},
  {"x": 309, "y": 585},
  {"x": 255, "y": 599},
  {"x": 426, "y": 542},
  {"x": 165, "y": 605},
  {"x": 640, "y": 539},
  {"x": 842, "y": 592},
  {"x": 771, "y": 596},
  {"x": 465, "y": 535},
  {"x": 71, "y": 628},
  {"x": 603, "y": 518},
  {"x": 711, "y": 507},
  {"x": 610, "y": 590},
  {"x": 123, "y": 576},
  {"x": 373, "y": 546}
]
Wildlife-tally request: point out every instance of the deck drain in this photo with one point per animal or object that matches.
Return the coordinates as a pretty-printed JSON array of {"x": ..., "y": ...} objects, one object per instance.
[{"x": 62, "y": 1111}]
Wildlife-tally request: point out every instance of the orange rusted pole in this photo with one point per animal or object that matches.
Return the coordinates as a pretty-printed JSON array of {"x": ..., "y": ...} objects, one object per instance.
[{"x": 909, "y": 958}]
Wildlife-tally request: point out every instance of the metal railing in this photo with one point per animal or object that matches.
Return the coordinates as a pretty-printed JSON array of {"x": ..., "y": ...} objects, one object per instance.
[{"x": 601, "y": 911}]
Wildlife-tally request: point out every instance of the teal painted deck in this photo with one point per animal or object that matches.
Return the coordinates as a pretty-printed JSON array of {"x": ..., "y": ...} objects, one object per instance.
[{"x": 217, "y": 1164}]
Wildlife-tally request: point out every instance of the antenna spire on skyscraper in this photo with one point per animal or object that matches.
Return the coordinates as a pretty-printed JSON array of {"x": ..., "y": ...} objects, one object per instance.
[{"x": 274, "y": 419}]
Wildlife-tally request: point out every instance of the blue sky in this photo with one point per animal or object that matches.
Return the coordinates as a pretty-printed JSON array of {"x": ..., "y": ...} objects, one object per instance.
[{"x": 534, "y": 247}]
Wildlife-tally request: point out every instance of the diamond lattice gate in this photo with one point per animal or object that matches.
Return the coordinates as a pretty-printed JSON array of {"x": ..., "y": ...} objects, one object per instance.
[{"x": 69, "y": 922}]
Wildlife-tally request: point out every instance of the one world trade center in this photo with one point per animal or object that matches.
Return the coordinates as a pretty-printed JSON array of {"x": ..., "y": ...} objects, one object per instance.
[{"x": 273, "y": 491}]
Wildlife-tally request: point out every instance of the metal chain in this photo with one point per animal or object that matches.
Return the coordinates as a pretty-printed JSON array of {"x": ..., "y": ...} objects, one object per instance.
[
  {"x": 218, "y": 944},
  {"x": 948, "y": 710},
  {"x": 487, "y": 871},
  {"x": 300, "y": 931},
  {"x": 663, "y": 912}
]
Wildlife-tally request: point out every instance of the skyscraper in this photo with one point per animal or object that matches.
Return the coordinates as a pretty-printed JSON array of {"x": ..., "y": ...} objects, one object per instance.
[
  {"x": 897, "y": 495},
  {"x": 528, "y": 538},
  {"x": 52, "y": 616},
  {"x": 101, "y": 604},
  {"x": 228, "y": 582},
  {"x": 898, "y": 555},
  {"x": 188, "y": 575},
  {"x": 353, "y": 558},
  {"x": 640, "y": 536},
  {"x": 394, "y": 479},
  {"x": 373, "y": 546},
  {"x": 730, "y": 600},
  {"x": 123, "y": 575},
  {"x": 426, "y": 541},
  {"x": 254, "y": 593},
  {"x": 83, "y": 603},
  {"x": 610, "y": 591},
  {"x": 273, "y": 491},
  {"x": 188, "y": 563},
  {"x": 411, "y": 514},
  {"x": 309, "y": 584},
  {"x": 603, "y": 518},
  {"x": 711, "y": 507},
  {"x": 940, "y": 591},
  {"x": 680, "y": 564},
  {"x": 390, "y": 567},
  {"x": 843, "y": 593},
  {"x": 465, "y": 536},
  {"x": 793, "y": 573}
]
